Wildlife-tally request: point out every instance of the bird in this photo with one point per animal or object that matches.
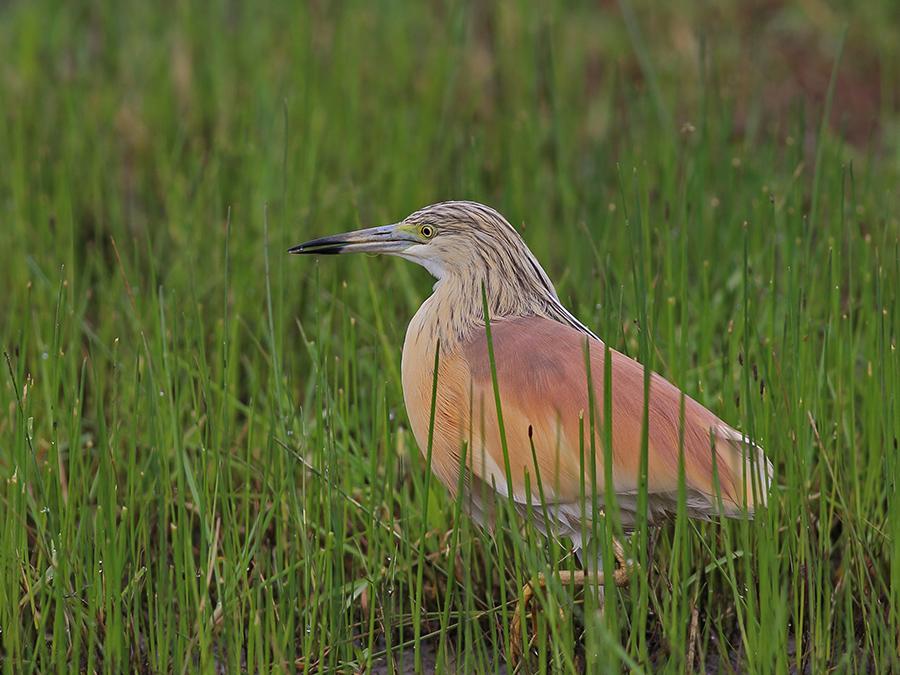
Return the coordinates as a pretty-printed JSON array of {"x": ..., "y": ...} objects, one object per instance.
[{"x": 504, "y": 347}]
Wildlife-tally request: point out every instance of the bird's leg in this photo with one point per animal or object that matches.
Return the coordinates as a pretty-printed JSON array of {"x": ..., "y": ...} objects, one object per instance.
[
  {"x": 595, "y": 577},
  {"x": 625, "y": 566},
  {"x": 515, "y": 626},
  {"x": 566, "y": 578}
]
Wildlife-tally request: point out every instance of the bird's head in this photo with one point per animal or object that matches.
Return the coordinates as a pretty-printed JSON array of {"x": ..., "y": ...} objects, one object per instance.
[
  {"x": 456, "y": 237},
  {"x": 470, "y": 244}
]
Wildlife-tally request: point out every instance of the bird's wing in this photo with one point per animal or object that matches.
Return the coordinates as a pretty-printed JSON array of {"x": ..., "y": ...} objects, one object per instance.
[{"x": 542, "y": 382}]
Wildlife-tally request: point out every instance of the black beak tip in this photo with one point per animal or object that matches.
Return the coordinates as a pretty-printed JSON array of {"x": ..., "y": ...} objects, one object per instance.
[{"x": 310, "y": 247}]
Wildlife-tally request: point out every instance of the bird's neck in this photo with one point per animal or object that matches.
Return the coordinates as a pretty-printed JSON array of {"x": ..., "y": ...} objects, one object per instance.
[{"x": 456, "y": 308}]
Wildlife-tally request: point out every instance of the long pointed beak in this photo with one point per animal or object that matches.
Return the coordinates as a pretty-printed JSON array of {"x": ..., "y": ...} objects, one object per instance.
[{"x": 384, "y": 239}]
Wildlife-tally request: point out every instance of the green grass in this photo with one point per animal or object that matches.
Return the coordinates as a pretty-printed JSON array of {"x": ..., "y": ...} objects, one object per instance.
[{"x": 205, "y": 460}]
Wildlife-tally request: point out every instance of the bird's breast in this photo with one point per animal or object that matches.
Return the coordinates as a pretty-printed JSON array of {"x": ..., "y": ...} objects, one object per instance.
[{"x": 445, "y": 396}]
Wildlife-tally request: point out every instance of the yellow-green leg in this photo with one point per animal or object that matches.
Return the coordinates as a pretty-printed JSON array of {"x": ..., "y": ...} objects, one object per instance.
[{"x": 566, "y": 578}]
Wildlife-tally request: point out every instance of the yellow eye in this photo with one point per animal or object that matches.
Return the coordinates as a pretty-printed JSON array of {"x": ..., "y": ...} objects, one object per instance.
[{"x": 427, "y": 231}]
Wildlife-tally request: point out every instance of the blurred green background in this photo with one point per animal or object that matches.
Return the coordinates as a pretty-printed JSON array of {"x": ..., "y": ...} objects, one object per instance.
[{"x": 157, "y": 160}]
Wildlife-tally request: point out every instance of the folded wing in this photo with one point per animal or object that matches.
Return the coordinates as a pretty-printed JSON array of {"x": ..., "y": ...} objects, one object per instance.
[{"x": 542, "y": 381}]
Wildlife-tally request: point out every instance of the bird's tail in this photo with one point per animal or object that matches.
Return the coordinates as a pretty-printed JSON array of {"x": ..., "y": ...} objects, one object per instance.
[{"x": 742, "y": 463}]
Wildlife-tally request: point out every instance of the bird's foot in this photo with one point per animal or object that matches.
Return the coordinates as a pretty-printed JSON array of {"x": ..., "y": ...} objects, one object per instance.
[
  {"x": 566, "y": 578},
  {"x": 516, "y": 640}
]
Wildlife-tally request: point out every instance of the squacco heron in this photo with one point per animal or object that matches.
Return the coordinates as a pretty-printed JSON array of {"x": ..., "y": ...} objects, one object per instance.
[{"x": 540, "y": 363}]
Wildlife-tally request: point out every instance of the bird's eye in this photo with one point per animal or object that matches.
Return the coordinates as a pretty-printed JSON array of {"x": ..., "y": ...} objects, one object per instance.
[{"x": 427, "y": 231}]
